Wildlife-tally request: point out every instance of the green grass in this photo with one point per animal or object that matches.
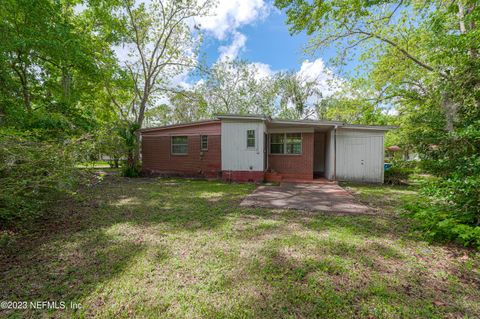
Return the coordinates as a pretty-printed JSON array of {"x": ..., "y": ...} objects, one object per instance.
[{"x": 170, "y": 248}]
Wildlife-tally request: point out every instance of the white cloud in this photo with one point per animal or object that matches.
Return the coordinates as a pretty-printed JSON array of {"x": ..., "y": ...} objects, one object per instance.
[
  {"x": 229, "y": 15},
  {"x": 231, "y": 51},
  {"x": 262, "y": 70},
  {"x": 327, "y": 82}
]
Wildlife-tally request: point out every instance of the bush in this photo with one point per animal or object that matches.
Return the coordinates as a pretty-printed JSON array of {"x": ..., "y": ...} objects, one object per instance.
[
  {"x": 440, "y": 223},
  {"x": 131, "y": 171},
  {"x": 456, "y": 163},
  {"x": 32, "y": 173},
  {"x": 452, "y": 207},
  {"x": 397, "y": 176}
]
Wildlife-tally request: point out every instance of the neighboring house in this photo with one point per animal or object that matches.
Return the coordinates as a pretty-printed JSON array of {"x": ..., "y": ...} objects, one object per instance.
[{"x": 257, "y": 148}]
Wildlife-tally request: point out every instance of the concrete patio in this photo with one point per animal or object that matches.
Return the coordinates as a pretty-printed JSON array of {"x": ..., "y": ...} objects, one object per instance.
[{"x": 328, "y": 197}]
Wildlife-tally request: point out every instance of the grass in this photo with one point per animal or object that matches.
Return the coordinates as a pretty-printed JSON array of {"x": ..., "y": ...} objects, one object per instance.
[{"x": 171, "y": 248}]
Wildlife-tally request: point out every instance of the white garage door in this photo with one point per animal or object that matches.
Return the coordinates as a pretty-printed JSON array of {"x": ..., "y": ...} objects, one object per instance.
[{"x": 360, "y": 158}]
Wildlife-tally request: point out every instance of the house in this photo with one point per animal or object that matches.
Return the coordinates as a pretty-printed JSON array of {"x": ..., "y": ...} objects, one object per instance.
[{"x": 258, "y": 147}]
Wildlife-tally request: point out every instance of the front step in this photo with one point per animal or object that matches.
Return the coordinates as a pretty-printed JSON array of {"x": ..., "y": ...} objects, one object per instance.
[{"x": 273, "y": 177}]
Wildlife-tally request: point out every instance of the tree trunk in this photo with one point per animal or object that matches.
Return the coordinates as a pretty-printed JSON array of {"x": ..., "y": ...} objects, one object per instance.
[
  {"x": 140, "y": 119},
  {"x": 22, "y": 75},
  {"x": 461, "y": 17},
  {"x": 26, "y": 97},
  {"x": 450, "y": 110},
  {"x": 66, "y": 85}
]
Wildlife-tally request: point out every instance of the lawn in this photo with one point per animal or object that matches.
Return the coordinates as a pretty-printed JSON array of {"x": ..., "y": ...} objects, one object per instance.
[{"x": 170, "y": 248}]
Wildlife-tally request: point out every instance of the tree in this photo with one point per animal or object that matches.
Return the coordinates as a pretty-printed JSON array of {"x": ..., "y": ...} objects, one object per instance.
[
  {"x": 299, "y": 96},
  {"x": 422, "y": 58},
  {"x": 158, "y": 115},
  {"x": 161, "y": 44},
  {"x": 49, "y": 66},
  {"x": 355, "y": 103},
  {"x": 237, "y": 87},
  {"x": 188, "y": 106},
  {"x": 402, "y": 29},
  {"x": 111, "y": 144}
]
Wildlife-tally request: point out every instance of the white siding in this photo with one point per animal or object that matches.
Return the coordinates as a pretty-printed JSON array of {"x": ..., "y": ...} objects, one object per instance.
[
  {"x": 360, "y": 155},
  {"x": 235, "y": 154}
]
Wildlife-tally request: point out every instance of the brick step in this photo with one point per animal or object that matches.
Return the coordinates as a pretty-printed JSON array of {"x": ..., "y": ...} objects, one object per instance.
[{"x": 273, "y": 177}]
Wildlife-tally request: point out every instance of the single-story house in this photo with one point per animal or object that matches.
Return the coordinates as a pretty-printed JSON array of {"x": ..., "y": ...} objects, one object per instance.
[{"x": 258, "y": 147}]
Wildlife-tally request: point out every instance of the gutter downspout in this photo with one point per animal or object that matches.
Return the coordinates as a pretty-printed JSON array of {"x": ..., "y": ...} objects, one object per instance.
[
  {"x": 267, "y": 145},
  {"x": 335, "y": 153}
]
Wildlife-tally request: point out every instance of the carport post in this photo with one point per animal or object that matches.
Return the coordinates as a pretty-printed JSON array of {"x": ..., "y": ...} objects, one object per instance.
[{"x": 335, "y": 153}]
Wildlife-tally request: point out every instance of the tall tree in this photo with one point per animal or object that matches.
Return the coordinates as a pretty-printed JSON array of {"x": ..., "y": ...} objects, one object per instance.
[
  {"x": 238, "y": 87},
  {"x": 161, "y": 43},
  {"x": 423, "y": 58},
  {"x": 49, "y": 65},
  {"x": 300, "y": 97},
  {"x": 406, "y": 30}
]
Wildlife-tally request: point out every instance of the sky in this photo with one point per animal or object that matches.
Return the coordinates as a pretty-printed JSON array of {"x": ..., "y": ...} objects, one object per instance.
[
  {"x": 265, "y": 40},
  {"x": 254, "y": 30}
]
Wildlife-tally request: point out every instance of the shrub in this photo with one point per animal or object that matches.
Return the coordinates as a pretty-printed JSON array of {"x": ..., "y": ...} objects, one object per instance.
[
  {"x": 32, "y": 173},
  {"x": 456, "y": 162},
  {"x": 439, "y": 222},
  {"x": 131, "y": 171},
  {"x": 397, "y": 176}
]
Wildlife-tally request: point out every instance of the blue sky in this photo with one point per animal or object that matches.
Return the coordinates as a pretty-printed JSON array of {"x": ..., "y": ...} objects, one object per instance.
[
  {"x": 267, "y": 41},
  {"x": 254, "y": 30}
]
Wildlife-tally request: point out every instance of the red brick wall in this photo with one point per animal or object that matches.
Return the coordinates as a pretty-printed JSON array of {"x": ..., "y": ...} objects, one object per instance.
[
  {"x": 243, "y": 176},
  {"x": 295, "y": 166},
  {"x": 157, "y": 157}
]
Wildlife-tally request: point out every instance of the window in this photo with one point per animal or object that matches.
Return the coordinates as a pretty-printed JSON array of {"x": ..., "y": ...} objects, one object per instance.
[
  {"x": 286, "y": 143},
  {"x": 294, "y": 143},
  {"x": 277, "y": 142},
  {"x": 204, "y": 142},
  {"x": 179, "y": 145},
  {"x": 250, "y": 138}
]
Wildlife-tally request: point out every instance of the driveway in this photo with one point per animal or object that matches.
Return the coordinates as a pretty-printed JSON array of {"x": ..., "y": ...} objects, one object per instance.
[{"x": 320, "y": 197}]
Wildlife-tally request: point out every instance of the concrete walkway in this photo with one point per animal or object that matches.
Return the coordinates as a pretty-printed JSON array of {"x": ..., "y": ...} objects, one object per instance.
[{"x": 322, "y": 197}]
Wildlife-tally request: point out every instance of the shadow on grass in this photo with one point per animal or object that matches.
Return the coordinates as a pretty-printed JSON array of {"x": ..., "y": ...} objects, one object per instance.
[
  {"x": 303, "y": 264},
  {"x": 297, "y": 277},
  {"x": 63, "y": 269}
]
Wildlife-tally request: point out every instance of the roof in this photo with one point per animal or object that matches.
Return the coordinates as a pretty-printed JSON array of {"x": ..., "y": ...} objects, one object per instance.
[
  {"x": 166, "y": 127},
  {"x": 305, "y": 122},
  {"x": 309, "y": 122},
  {"x": 260, "y": 117},
  {"x": 269, "y": 120}
]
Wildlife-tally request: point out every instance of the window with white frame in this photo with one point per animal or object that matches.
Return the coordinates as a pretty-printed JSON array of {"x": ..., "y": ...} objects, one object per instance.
[
  {"x": 179, "y": 145},
  {"x": 204, "y": 142},
  {"x": 286, "y": 143},
  {"x": 293, "y": 142},
  {"x": 277, "y": 143},
  {"x": 250, "y": 138}
]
